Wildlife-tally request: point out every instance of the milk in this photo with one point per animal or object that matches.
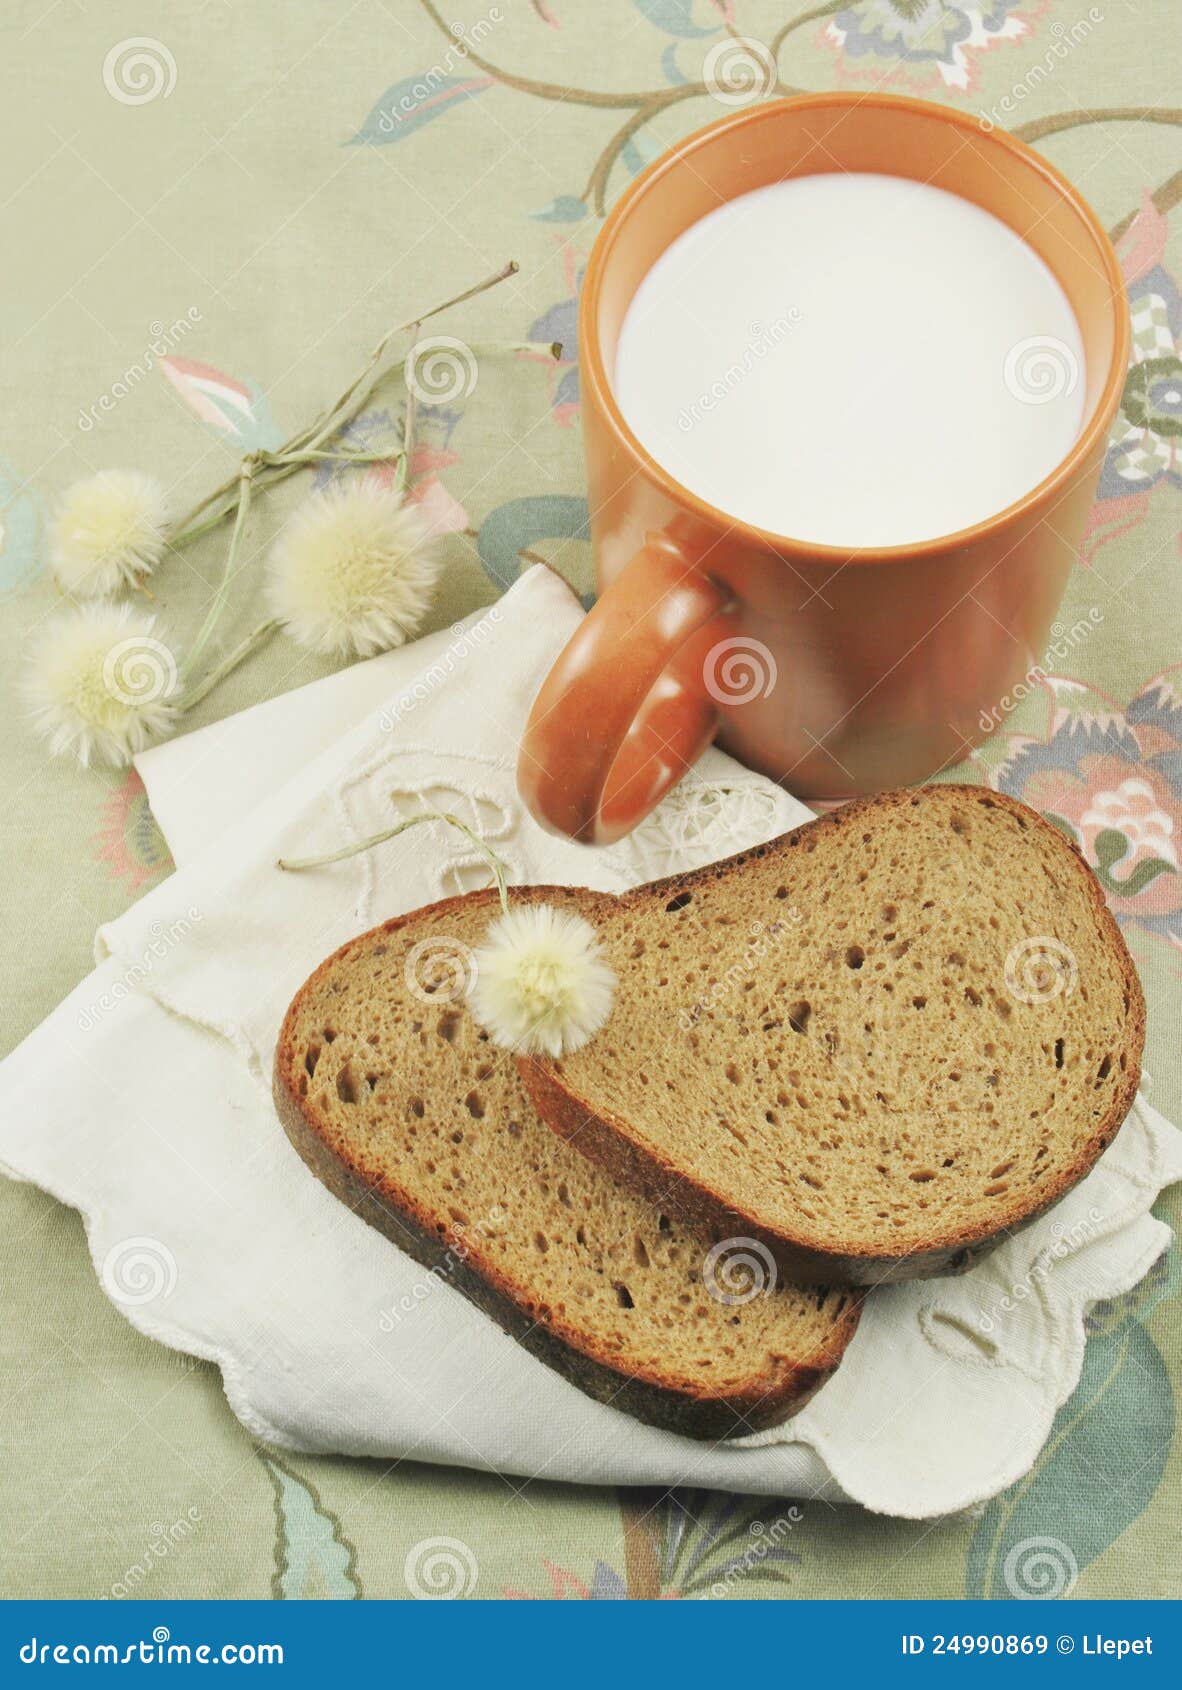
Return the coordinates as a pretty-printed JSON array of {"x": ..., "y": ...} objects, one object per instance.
[{"x": 856, "y": 360}]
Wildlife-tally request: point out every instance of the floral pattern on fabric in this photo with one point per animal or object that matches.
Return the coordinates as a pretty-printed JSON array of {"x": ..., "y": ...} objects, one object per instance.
[
  {"x": 22, "y": 524},
  {"x": 1039, "y": 1536},
  {"x": 432, "y": 454},
  {"x": 313, "y": 1561},
  {"x": 933, "y": 43},
  {"x": 560, "y": 324},
  {"x": 128, "y": 841},
  {"x": 683, "y": 1543},
  {"x": 1111, "y": 777},
  {"x": 1148, "y": 428},
  {"x": 233, "y": 409},
  {"x": 1142, "y": 453}
]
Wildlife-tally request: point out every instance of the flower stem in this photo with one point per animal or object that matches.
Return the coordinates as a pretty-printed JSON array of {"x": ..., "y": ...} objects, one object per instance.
[
  {"x": 262, "y": 476},
  {"x": 359, "y": 390},
  {"x": 294, "y": 454},
  {"x": 812, "y": 15},
  {"x": 194, "y": 530},
  {"x": 257, "y": 637},
  {"x": 189, "y": 528},
  {"x": 260, "y": 469},
  {"x": 402, "y": 476},
  {"x": 218, "y": 604},
  {"x": 309, "y": 456},
  {"x": 495, "y": 863},
  {"x": 319, "y": 430},
  {"x": 1040, "y": 127}
]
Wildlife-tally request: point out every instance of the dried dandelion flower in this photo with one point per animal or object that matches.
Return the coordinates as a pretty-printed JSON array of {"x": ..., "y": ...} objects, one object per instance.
[
  {"x": 353, "y": 572},
  {"x": 109, "y": 533},
  {"x": 101, "y": 685},
  {"x": 542, "y": 986}
]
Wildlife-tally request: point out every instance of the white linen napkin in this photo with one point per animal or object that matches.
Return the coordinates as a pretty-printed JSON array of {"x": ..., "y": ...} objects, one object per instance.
[
  {"x": 144, "y": 1102},
  {"x": 203, "y": 782}
]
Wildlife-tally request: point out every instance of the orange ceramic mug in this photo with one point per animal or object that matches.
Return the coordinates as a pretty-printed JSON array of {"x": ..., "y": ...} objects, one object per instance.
[{"x": 837, "y": 672}]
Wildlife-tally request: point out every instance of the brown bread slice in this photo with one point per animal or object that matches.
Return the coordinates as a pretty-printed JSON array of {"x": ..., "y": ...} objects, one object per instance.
[
  {"x": 399, "y": 1103},
  {"x": 845, "y": 1041}
]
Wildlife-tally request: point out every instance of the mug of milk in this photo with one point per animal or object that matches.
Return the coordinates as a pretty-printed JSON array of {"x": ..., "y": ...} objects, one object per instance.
[{"x": 849, "y": 364}]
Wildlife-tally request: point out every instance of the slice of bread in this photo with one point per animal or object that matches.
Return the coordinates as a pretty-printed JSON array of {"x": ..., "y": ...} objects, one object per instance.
[
  {"x": 399, "y": 1103},
  {"x": 878, "y": 1043}
]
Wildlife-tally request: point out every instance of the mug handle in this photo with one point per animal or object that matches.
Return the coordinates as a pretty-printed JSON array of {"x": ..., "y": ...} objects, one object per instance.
[{"x": 624, "y": 712}]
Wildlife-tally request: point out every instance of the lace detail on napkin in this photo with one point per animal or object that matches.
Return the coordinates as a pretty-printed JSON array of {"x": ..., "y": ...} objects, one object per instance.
[
  {"x": 410, "y": 781},
  {"x": 702, "y": 820},
  {"x": 461, "y": 867}
]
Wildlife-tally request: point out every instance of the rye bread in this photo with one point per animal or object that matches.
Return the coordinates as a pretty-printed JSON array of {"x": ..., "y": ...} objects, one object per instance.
[
  {"x": 399, "y": 1103},
  {"x": 879, "y": 1043}
]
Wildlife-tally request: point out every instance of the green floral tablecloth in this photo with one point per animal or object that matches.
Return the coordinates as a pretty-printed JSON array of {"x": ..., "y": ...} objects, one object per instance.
[{"x": 210, "y": 212}]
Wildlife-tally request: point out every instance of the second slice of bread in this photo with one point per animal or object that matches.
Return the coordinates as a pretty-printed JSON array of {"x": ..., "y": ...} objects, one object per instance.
[
  {"x": 402, "y": 1106},
  {"x": 880, "y": 1042}
]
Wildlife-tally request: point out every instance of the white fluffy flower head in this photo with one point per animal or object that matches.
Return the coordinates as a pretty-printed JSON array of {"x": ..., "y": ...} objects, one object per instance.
[
  {"x": 109, "y": 532},
  {"x": 101, "y": 685},
  {"x": 353, "y": 572},
  {"x": 542, "y": 986}
]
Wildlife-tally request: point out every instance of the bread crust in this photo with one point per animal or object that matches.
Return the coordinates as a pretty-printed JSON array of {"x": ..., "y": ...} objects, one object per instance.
[
  {"x": 662, "y": 1399},
  {"x": 608, "y": 1139}
]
